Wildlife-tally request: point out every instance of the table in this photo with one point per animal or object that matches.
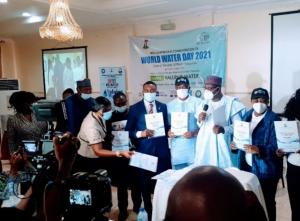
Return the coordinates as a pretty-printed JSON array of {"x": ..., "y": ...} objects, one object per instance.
[{"x": 167, "y": 179}]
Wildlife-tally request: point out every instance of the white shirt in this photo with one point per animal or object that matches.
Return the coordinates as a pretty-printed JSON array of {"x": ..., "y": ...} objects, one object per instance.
[
  {"x": 147, "y": 106},
  {"x": 254, "y": 122}
]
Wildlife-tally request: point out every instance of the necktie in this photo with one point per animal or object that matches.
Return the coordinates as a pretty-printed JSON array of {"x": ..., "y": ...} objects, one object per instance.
[{"x": 150, "y": 108}]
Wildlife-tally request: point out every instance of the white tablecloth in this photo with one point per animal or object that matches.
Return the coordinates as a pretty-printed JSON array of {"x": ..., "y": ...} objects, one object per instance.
[{"x": 167, "y": 179}]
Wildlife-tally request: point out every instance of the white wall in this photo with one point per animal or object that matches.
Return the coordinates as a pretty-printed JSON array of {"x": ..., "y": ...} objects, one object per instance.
[{"x": 248, "y": 62}]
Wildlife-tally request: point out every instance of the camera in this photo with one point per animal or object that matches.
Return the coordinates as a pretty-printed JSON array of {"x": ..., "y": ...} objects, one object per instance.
[
  {"x": 31, "y": 147},
  {"x": 87, "y": 195}
]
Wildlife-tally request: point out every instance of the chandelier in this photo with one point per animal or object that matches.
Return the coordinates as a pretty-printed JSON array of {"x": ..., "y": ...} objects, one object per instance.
[{"x": 60, "y": 24}]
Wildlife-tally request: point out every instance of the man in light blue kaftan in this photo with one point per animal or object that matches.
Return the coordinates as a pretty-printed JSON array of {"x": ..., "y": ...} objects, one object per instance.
[
  {"x": 183, "y": 146},
  {"x": 215, "y": 133}
]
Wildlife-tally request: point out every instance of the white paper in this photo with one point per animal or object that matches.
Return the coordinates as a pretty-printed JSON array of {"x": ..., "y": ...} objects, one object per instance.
[
  {"x": 241, "y": 134},
  {"x": 144, "y": 161},
  {"x": 119, "y": 125},
  {"x": 155, "y": 122},
  {"x": 179, "y": 123},
  {"x": 120, "y": 141},
  {"x": 287, "y": 135},
  {"x": 219, "y": 116}
]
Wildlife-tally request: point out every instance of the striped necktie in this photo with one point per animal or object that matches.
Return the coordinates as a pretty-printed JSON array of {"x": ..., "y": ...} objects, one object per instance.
[{"x": 150, "y": 108}]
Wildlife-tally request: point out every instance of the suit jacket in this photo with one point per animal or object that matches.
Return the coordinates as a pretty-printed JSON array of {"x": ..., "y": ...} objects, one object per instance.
[
  {"x": 77, "y": 109},
  {"x": 157, "y": 146}
]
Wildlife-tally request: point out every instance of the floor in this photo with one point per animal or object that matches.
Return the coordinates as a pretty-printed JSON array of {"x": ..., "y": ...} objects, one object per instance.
[{"x": 282, "y": 199}]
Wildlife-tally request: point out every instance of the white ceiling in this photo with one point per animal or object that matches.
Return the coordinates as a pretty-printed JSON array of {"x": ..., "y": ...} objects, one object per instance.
[{"x": 100, "y": 13}]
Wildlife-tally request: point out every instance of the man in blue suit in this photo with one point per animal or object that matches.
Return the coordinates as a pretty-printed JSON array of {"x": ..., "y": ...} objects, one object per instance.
[
  {"x": 79, "y": 105},
  {"x": 144, "y": 141}
]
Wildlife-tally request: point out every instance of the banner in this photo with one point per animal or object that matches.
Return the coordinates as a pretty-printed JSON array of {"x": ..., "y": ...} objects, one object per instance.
[
  {"x": 194, "y": 54},
  {"x": 112, "y": 79}
]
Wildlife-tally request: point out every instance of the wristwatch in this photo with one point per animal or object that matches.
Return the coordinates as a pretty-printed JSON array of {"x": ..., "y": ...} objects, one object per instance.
[{"x": 118, "y": 154}]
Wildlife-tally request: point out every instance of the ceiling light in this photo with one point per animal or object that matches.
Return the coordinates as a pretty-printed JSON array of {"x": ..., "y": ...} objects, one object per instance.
[
  {"x": 3, "y": 1},
  {"x": 26, "y": 14},
  {"x": 34, "y": 19},
  {"x": 60, "y": 24}
]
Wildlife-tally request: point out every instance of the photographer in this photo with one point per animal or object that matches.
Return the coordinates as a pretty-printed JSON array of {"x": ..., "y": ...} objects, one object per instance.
[{"x": 65, "y": 152}]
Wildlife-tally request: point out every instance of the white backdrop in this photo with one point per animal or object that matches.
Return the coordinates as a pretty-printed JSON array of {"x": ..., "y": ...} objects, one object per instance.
[{"x": 286, "y": 58}]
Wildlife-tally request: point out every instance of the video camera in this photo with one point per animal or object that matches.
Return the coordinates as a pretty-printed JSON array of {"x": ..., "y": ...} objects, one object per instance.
[{"x": 87, "y": 195}]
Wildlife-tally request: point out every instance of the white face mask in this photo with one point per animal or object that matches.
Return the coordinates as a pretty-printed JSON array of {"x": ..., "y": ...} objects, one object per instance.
[
  {"x": 259, "y": 107},
  {"x": 208, "y": 95},
  {"x": 86, "y": 96},
  {"x": 150, "y": 97},
  {"x": 182, "y": 93},
  {"x": 121, "y": 109}
]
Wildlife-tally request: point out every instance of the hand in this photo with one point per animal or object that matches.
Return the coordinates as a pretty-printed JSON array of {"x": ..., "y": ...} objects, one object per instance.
[
  {"x": 147, "y": 133},
  {"x": 279, "y": 152},
  {"x": 188, "y": 135},
  {"x": 202, "y": 117},
  {"x": 127, "y": 154},
  {"x": 233, "y": 146},
  {"x": 218, "y": 129},
  {"x": 171, "y": 134},
  {"x": 16, "y": 162},
  {"x": 65, "y": 151},
  {"x": 251, "y": 149}
]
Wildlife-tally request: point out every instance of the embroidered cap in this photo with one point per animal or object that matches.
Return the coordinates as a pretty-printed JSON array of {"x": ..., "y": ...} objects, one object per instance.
[
  {"x": 259, "y": 93},
  {"x": 84, "y": 83},
  {"x": 182, "y": 80},
  {"x": 213, "y": 79}
]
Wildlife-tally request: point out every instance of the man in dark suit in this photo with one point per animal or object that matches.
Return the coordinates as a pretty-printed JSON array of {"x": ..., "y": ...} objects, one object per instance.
[{"x": 145, "y": 142}]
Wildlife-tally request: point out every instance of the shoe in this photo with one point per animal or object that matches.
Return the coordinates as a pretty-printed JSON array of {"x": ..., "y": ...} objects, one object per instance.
[{"x": 123, "y": 216}]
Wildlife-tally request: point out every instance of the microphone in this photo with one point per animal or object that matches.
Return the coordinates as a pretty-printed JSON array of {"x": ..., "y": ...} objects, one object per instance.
[{"x": 205, "y": 107}]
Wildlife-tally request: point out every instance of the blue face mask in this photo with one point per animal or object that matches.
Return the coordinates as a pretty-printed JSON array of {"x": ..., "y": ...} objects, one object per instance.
[
  {"x": 150, "y": 97},
  {"x": 85, "y": 96},
  {"x": 107, "y": 115},
  {"x": 121, "y": 109}
]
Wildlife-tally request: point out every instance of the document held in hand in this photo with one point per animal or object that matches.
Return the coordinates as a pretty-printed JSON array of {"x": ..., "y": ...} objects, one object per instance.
[
  {"x": 119, "y": 125},
  {"x": 120, "y": 141},
  {"x": 179, "y": 123},
  {"x": 155, "y": 122},
  {"x": 144, "y": 161},
  {"x": 241, "y": 134},
  {"x": 219, "y": 116},
  {"x": 287, "y": 135}
]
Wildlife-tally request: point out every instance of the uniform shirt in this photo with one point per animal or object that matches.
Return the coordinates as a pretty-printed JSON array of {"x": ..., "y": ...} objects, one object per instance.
[{"x": 92, "y": 131}]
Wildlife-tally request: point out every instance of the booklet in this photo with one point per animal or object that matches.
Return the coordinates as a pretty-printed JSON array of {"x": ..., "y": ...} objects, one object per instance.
[
  {"x": 144, "y": 161},
  {"x": 219, "y": 116},
  {"x": 155, "y": 122},
  {"x": 241, "y": 134},
  {"x": 120, "y": 141},
  {"x": 287, "y": 135},
  {"x": 119, "y": 125},
  {"x": 179, "y": 123}
]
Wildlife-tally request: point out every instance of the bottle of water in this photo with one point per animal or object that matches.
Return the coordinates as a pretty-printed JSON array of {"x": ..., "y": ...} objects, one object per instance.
[{"x": 142, "y": 216}]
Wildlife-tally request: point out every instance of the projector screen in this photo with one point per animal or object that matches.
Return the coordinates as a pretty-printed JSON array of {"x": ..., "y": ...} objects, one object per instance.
[
  {"x": 285, "y": 59},
  {"x": 62, "y": 67}
]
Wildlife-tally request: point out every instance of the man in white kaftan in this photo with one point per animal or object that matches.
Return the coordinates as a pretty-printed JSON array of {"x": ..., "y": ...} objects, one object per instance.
[{"x": 215, "y": 135}]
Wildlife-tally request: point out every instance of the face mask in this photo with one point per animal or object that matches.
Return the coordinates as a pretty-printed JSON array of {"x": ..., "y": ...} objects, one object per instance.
[
  {"x": 182, "y": 93},
  {"x": 208, "y": 95},
  {"x": 107, "y": 115},
  {"x": 150, "y": 97},
  {"x": 259, "y": 107},
  {"x": 86, "y": 96},
  {"x": 121, "y": 109}
]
